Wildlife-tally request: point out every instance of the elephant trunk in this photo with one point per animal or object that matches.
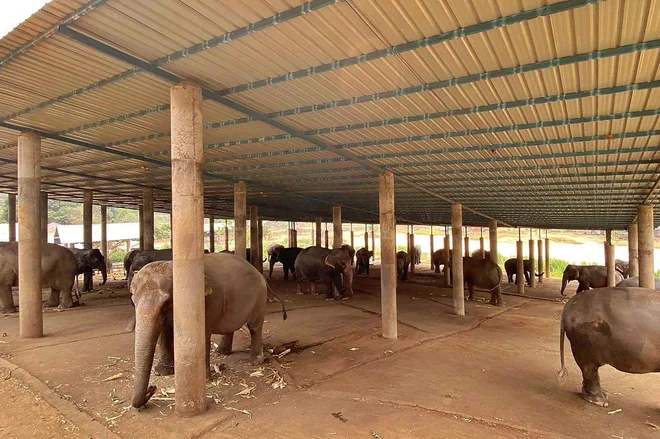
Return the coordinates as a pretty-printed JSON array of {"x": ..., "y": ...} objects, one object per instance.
[
  {"x": 147, "y": 330},
  {"x": 104, "y": 271},
  {"x": 348, "y": 281},
  {"x": 564, "y": 281}
]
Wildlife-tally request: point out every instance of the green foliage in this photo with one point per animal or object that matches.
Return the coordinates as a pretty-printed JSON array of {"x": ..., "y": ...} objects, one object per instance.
[
  {"x": 402, "y": 248},
  {"x": 117, "y": 256},
  {"x": 162, "y": 231}
]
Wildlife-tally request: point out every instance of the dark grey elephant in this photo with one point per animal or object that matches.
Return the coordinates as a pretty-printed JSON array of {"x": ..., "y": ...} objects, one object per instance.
[
  {"x": 511, "y": 268},
  {"x": 235, "y": 296},
  {"x": 58, "y": 271},
  {"x": 143, "y": 258},
  {"x": 330, "y": 267},
  {"x": 402, "y": 265},
  {"x": 622, "y": 267},
  {"x": 274, "y": 257},
  {"x": 634, "y": 282},
  {"x": 481, "y": 254},
  {"x": 287, "y": 256},
  {"x": 588, "y": 276},
  {"x": 483, "y": 273},
  {"x": 615, "y": 326},
  {"x": 128, "y": 260},
  {"x": 88, "y": 261},
  {"x": 362, "y": 260},
  {"x": 439, "y": 259},
  {"x": 351, "y": 252}
]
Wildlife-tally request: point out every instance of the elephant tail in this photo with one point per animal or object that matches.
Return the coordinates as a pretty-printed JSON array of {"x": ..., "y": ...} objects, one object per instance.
[
  {"x": 272, "y": 293},
  {"x": 563, "y": 372}
]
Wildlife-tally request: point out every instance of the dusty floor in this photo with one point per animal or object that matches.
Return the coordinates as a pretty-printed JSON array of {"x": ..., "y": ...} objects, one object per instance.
[{"x": 489, "y": 374}]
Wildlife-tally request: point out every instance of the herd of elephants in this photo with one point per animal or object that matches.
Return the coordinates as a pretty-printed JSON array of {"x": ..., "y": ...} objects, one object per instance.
[{"x": 605, "y": 325}]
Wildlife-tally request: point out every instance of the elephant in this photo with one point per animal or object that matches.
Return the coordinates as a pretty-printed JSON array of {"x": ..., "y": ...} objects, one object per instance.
[
  {"x": 416, "y": 256},
  {"x": 362, "y": 261},
  {"x": 634, "y": 282},
  {"x": 58, "y": 271},
  {"x": 128, "y": 260},
  {"x": 143, "y": 258},
  {"x": 330, "y": 267},
  {"x": 351, "y": 252},
  {"x": 88, "y": 261},
  {"x": 235, "y": 296},
  {"x": 615, "y": 326},
  {"x": 402, "y": 265},
  {"x": 483, "y": 273},
  {"x": 622, "y": 267},
  {"x": 588, "y": 276},
  {"x": 273, "y": 257},
  {"x": 511, "y": 268},
  {"x": 439, "y": 259},
  {"x": 478, "y": 253},
  {"x": 248, "y": 254},
  {"x": 287, "y": 256}
]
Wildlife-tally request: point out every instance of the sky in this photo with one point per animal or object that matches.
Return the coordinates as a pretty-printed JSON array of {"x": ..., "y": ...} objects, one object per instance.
[{"x": 13, "y": 13}]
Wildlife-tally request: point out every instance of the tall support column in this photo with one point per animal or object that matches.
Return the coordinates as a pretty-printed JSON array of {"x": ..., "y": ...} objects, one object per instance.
[
  {"x": 211, "y": 234},
  {"x": 366, "y": 237},
  {"x": 88, "y": 206},
  {"x": 337, "y": 237},
  {"x": 29, "y": 232},
  {"x": 260, "y": 236},
  {"x": 240, "y": 213},
  {"x": 457, "y": 258},
  {"x": 187, "y": 154},
  {"x": 520, "y": 266},
  {"x": 645, "y": 246},
  {"x": 482, "y": 249},
  {"x": 431, "y": 247},
  {"x": 141, "y": 223},
  {"x": 327, "y": 241},
  {"x": 11, "y": 201},
  {"x": 547, "y": 255},
  {"x": 352, "y": 237},
  {"x": 387, "y": 255},
  {"x": 373, "y": 242},
  {"x": 319, "y": 231},
  {"x": 445, "y": 268},
  {"x": 295, "y": 234},
  {"x": 633, "y": 261},
  {"x": 467, "y": 243},
  {"x": 492, "y": 237},
  {"x": 541, "y": 264},
  {"x": 148, "y": 217},
  {"x": 226, "y": 235},
  {"x": 255, "y": 257},
  {"x": 43, "y": 210},
  {"x": 413, "y": 257},
  {"x": 609, "y": 259},
  {"x": 532, "y": 260},
  {"x": 104, "y": 232}
]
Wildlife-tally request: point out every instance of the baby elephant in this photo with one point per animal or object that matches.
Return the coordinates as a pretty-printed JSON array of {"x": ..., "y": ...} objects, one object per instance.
[
  {"x": 483, "y": 273},
  {"x": 362, "y": 260},
  {"x": 511, "y": 268},
  {"x": 615, "y": 326},
  {"x": 402, "y": 264}
]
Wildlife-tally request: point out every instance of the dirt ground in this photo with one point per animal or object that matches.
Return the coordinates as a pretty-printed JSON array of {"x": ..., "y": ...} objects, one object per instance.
[{"x": 488, "y": 374}]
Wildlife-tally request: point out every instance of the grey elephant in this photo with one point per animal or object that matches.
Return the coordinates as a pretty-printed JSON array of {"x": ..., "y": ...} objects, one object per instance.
[
  {"x": 478, "y": 253},
  {"x": 143, "y": 258},
  {"x": 634, "y": 282},
  {"x": 128, "y": 260},
  {"x": 622, "y": 267},
  {"x": 439, "y": 259},
  {"x": 615, "y": 326},
  {"x": 362, "y": 260},
  {"x": 402, "y": 265},
  {"x": 588, "y": 276},
  {"x": 273, "y": 257},
  {"x": 287, "y": 256},
  {"x": 511, "y": 268},
  {"x": 483, "y": 273},
  {"x": 330, "y": 267},
  {"x": 58, "y": 271},
  {"x": 351, "y": 252},
  {"x": 88, "y": 261},
  {"x": 416, "y": 257},
  {"x": 235, "y": 296}
]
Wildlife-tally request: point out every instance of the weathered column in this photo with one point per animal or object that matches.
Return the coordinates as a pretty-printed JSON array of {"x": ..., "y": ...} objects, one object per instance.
[
  {"x": 366, "y": 237},
  {"x": 29, "y": 232},
  {"x": 88, "y": 206},
  {"x": 532, "y": 261},
  {"x": 520, "y": 266},
  {"x": 467, "y": 243},
  {"x": 104, "y": 232},
  {"x": 352, "y": 237},
  {"x": 492, "y": 237},
  {"x": 482, "y": 249},
  {"x": 11, "y": 207},
  {"x": 295, "y": 237},
  {"x": 609, "y": 259},
  {"x": 44, "y": 216},
  {"x": 187, "y": 154},
  {"x": 211, "y": 234},
  {"x": 373, "y": 242},
  {"x": 337, "y": 237},
  {"x": 540, "y": 258},
  {"x": 327, "y": 241},
  {"x": 240, "y": 213},
  {"x": 319, "y": 231},
  {"x": 457, "y": 258},
  {"x": 431, "y": 247},
  {"x": 445, "y": 268},
  {"x": 645, "y": 246},
  {"x": 387, "y": 255},
  {"x": 226, "y": 235},
  {"x": 547, "y": 255},
  {"x": 633, "y": 262},
  {"x": 413, "y": 259},
  {"x": 260, "y": 236},
  {"x": 255, "y": 257},
  {"x": 148, "y": 217},
  {"x": 141, "y": 223}
]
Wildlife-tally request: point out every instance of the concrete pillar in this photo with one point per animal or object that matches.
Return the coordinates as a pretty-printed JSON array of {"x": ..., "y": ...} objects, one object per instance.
[
  {"x": 387, "y": 255},
  {"x": 373, "y": 242},
  {"x": 445, "y": 268},
  {"x": 492, "y": 237},
  {"x": 318, "y": 231},
  {"x": 11, "y": 206},
  {"x": 171, "y": 231},
  {"x": 412, "y": 251},
  {"x": 226, "y": 235},
  {"x": 43, "y": 211},
  {"x": 295, "y": 238},
  {"x": 104, "y": 232},
  {"x": 547, "y": 256},
  {"x": 366, "y": 240},
  {"x": 609, "y": 259},
  {"x": 633, "y": 262},
  {"x": 431, "y": 247},
  {"x": 327, "y": 241},
  {"x": 645, "y": 246},
  {"x": 148, "y": 217},
  {"x": 211, "y": 234},
  {"x": 240, "y": 213},
  {"x": 532, "y": 263},
  {"x": 337, "y": 237},
  {"x": 260, "y": 238},
  {"x": 141, "y": 222},
  {"x": 540, "y": 258},
  {"x": 520, "y": 268},
  {"x": 88, "y": 205},
  {"x": 467, "y": 244},
  {"x": 352, "y": 239},
  {"x": 29, "y": 233},
  {"x": 457, "y": 258},
  {"x": 190, "y": 348},
  {"x": 255, "y": 257},
  {"x": 482, "y": 249}
]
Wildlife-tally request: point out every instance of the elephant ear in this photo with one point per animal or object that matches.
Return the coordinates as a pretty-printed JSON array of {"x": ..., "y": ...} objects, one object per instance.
[
  {"x": 330, "y": 261},
  {"x": 208, "y": 290}
]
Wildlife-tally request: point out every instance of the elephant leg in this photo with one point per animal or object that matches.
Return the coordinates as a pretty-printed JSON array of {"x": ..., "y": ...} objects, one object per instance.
[
  {"x": 87, "y": 281},
  {"x": 436, "y": 268},
  {"x": 270, "y": 269},
  {"x": 496, "y": 297},
  {"x": 256, "y": 343},
  {"x": 165, "y": 364},
  {"x": 285, "y": 268},
  {"x": 591, "y": 390},
  {"x": 209, "y": 374},
  {"x": 470, "y": 291},
  {"x": 54, "y": 299},
  {"x": 6, "y": 300},
  {"x": 313, "y": 288},
  {"x": 226, "y": 343},
  {"x": 67, "y": 299},
  {"x": 299, "y": 278},
  {"x": 529, "y": 282}
]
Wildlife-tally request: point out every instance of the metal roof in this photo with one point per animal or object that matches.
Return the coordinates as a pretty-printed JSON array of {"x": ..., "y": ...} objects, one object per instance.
[{"x": 540, "y": 113}]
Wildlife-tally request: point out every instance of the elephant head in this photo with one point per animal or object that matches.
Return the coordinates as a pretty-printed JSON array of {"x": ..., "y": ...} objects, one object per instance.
[
  {"x": 340, "y": 262},
  {"x": 95, "y": 260},
  {"x": 571, "y": 272},
  {"x": 350, "y": 251},
  {"x": 622, "y": 267},
  {"x": 151, "y": 291}
]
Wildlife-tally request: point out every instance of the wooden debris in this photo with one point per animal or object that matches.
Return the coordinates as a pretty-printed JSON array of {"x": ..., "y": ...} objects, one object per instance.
[
  {"x": 113, "y": 377},
  {"x": 613, "y": 412}
]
